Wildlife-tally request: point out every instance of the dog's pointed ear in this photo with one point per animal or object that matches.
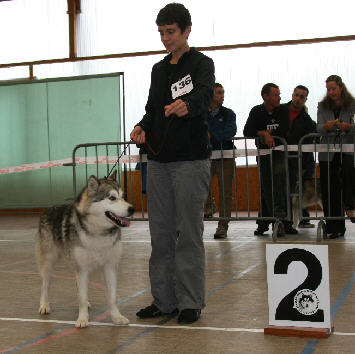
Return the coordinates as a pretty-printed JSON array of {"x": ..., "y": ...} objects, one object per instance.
[
  {"x": 113, "y": 175},
  {"x": 92, "y": 185}
]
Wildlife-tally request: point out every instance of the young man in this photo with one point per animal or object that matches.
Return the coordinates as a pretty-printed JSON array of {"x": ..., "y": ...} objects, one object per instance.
[
  {"x": 266, "y": 121},
  {"x": 222, "y": 128},
  {"x": 175, "y": 131},
  {"x": 301, "y": 124}
]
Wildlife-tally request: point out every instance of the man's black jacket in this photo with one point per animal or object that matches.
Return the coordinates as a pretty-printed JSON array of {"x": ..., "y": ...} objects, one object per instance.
[
  {"x": 301, "y": 126},
  {"x": 259, "y": 119}
]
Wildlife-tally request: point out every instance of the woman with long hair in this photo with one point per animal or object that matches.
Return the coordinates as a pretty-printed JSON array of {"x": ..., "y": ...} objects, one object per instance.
[{"x": 336, "y": 115}]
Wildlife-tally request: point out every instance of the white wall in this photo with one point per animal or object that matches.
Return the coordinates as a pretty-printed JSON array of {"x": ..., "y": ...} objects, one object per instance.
[{"x": 111, "y": 26}]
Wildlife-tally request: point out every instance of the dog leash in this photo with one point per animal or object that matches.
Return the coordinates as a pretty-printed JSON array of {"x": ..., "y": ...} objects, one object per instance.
[
  {"x": 172, "y": 118},
  {"x": 156, "y": 153},
  {"x": 118, "y": 158}
]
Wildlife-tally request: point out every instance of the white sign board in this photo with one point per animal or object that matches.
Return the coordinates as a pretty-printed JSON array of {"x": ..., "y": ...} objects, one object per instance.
[{"x": 298, "y": 285}]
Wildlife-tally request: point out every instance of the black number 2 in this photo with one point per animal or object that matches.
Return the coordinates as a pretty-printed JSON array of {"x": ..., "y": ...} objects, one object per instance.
[{"x": 285, "y": 309}]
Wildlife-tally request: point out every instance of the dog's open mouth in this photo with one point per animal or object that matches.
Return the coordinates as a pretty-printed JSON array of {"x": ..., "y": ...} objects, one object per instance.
[{"x": 117, "y": 220}]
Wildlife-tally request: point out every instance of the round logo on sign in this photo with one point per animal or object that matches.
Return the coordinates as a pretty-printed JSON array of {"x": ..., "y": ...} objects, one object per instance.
[{"x": 306, "y": 302}]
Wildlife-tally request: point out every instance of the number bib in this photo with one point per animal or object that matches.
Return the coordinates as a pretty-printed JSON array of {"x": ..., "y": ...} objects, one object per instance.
[{"x": 181, "y": 87}]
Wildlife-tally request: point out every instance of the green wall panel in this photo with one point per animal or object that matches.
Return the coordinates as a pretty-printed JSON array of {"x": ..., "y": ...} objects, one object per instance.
[
  {"x": 24, "y": 129},
  {"x": 81, "y": 111},
  {"x": 24, "y": 139},
  {"x": 44, "y": 121}
]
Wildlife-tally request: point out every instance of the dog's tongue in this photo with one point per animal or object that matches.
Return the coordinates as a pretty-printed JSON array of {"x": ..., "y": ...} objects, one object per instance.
[
  {"x": 124, "y": 221},
  {"x": 119, "y": 219}
]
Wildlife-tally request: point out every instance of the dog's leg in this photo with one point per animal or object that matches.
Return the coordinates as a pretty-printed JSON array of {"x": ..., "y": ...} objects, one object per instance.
[
  {"x": 46, "y": 260},
  {"x": 82, "y": 284},
  {"x": 111, "y": 283}
]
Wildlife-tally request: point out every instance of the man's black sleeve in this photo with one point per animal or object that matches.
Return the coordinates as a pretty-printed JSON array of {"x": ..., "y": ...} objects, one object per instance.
[{"x": 251, "y": 126}]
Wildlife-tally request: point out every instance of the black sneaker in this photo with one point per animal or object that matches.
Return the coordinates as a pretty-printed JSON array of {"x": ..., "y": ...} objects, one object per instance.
[
  {"x": 260, "y": 230},
  {"x": 189, "y": 315},
  {"x": 152, "y": 311},
  {"x": 290, "y": 230},
  {"x": 217, "y": 236},
  {"x": 336, "y": 234}
]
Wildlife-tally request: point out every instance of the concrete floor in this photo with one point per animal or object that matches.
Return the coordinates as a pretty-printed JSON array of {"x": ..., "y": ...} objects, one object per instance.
[{"x": 232, "y": 322}]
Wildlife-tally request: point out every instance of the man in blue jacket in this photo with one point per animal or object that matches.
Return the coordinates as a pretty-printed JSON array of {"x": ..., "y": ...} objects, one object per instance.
[
  {"x": 174, "y": 129},
  {"x": 222, "y": 128}
]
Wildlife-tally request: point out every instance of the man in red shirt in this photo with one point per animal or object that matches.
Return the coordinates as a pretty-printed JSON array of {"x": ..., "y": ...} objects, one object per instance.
[{"x": 301, "y": 124}]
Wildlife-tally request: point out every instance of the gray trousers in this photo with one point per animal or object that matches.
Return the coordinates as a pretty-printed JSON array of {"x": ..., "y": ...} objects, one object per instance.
[
  {"x": 176, "y": 192},
  {"x": 225, "y": 187}
]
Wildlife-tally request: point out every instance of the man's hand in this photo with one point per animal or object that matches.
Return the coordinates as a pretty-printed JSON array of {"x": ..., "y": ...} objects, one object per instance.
[
  {"x": 138, "y": 135},
  {"x": 178, "y": 108},
  {"x": 267, "y": 137},
  {"x": 269, "y": 140},
  {"x": 330, "y": 124}
]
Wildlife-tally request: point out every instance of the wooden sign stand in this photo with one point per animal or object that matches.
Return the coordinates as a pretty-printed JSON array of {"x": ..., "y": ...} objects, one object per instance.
[{"x": 304, "y": 332}]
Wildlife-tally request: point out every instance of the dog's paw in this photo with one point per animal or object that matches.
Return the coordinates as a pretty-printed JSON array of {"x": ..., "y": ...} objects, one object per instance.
[
  {"x": 82, "y": 322},
  {"x": 44, "y": 309},
  {"x": 120, "y": 320}
]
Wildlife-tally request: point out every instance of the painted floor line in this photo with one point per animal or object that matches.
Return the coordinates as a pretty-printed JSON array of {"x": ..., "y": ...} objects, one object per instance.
[
  {"x": 33, "y": 229},
  {"x": 335, "y": 308},
  {"x": 243, "y": 240},
  {"x": 240, "y": 240},
  {"x": 16, "y": 240},
  {"x": 343, "y": 334},
  {"x": 107, "y": 324}
]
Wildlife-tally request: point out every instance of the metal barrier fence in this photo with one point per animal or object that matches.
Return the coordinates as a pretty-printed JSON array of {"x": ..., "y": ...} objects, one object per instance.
[
  {"x": 274, "y": 161},
  {"x": 274, "y": 189},
  {"x": 101, "y": 158},
  {"x": 332, "y": 145}
]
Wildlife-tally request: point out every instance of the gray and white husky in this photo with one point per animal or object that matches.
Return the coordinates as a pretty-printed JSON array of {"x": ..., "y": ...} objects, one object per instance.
[
  {"x": 311, "y": 195},
  {"x": 87, "y": 233}
]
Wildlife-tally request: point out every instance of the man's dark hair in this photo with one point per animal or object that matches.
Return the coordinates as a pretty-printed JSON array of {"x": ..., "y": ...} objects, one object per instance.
[
  {"x": 267, "y": 88},
  {"x": 174, "y": 13},
  {"x": 301, "y": 87},
  {"x": 217, "y": 84}
]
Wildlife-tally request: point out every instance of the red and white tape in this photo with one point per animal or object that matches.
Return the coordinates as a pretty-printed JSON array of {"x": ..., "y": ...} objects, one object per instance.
[
  {"x": 103, "y": 160},
  {"x": 33, "y": 166},
  {"x": 89, "y": 160}
]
